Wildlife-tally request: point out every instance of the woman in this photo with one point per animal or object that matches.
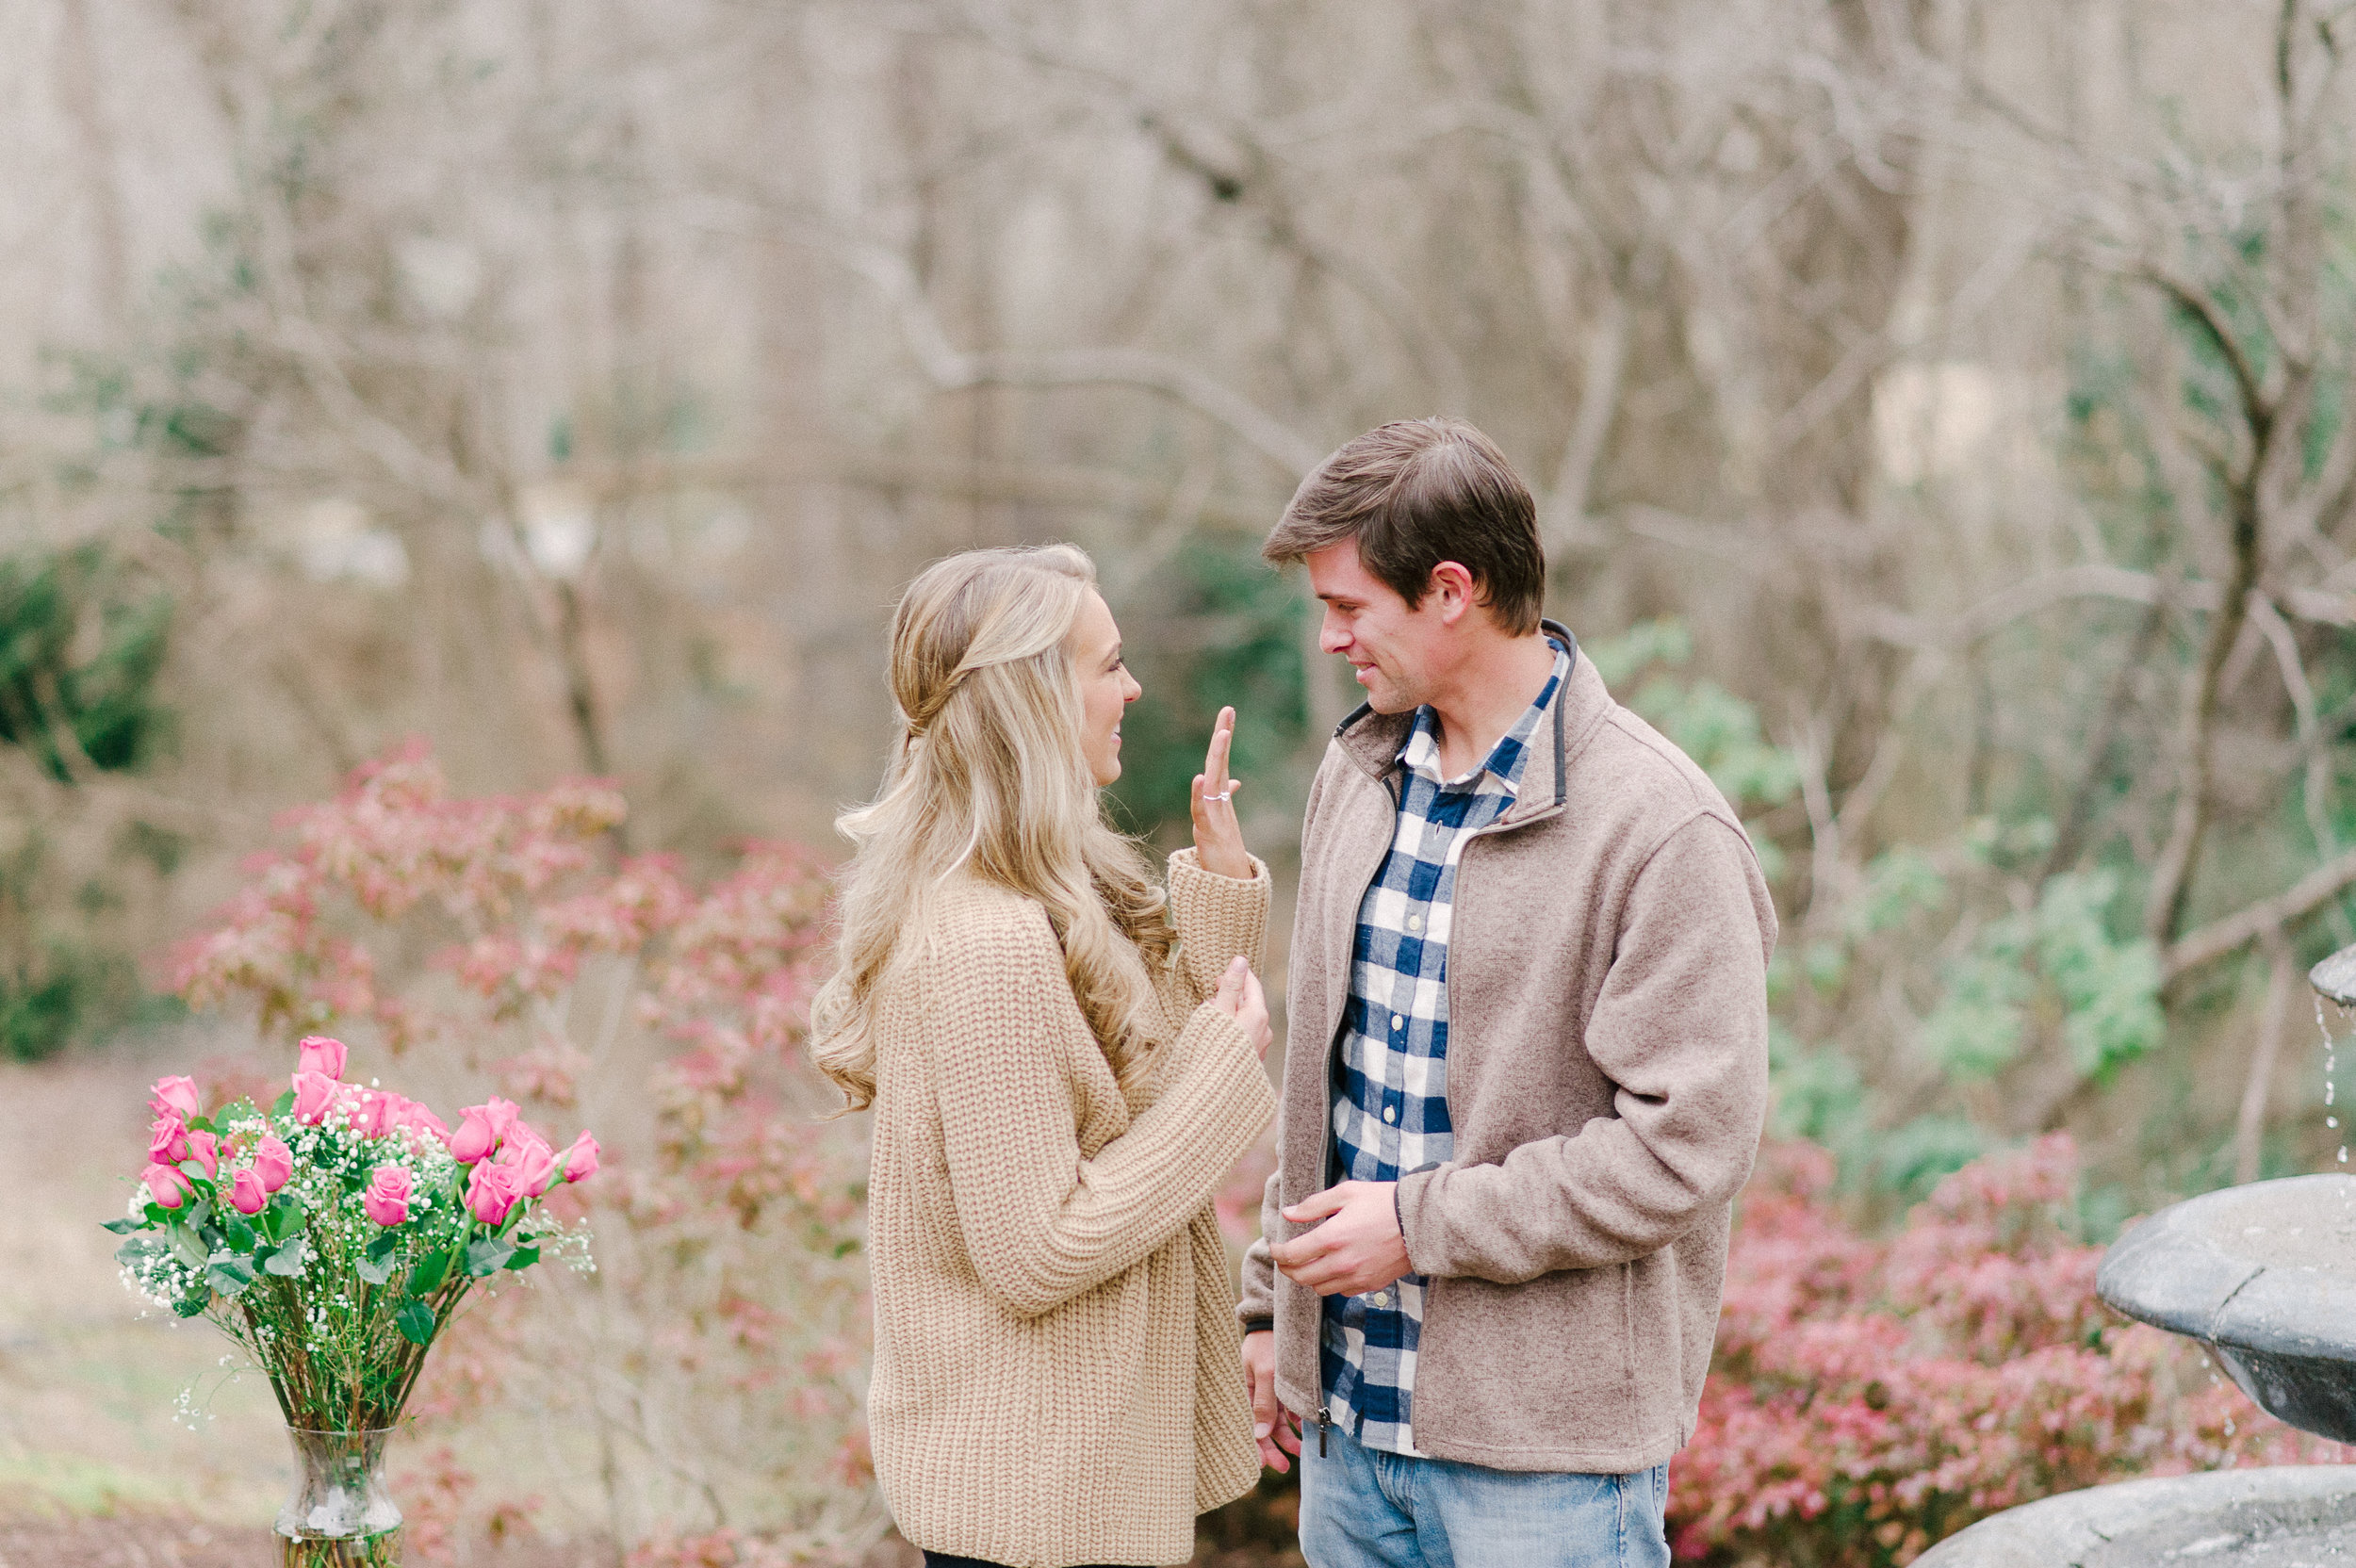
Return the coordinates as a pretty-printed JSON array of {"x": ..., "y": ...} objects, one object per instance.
[{"x": 1060, "y": 1080}]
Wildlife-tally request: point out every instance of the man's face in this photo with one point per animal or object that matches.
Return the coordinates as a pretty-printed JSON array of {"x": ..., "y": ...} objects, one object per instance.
[{"x": 1389, "y": 646}]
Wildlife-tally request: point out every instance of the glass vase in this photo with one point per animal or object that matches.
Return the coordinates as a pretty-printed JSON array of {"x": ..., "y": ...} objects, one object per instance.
[{"x": 340, "y": 1515}]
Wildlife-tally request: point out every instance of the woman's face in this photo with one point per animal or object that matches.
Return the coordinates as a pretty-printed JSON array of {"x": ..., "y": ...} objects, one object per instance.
[{"x": 1106, "y": 686}]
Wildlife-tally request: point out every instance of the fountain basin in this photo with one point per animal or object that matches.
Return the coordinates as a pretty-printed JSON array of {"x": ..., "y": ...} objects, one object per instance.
[
  {"x": 2265, "y": 1276},
  {"x": 2290, "y": 1516}
]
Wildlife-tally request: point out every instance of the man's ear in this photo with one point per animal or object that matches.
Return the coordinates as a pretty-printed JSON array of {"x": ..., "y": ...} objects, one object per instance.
[{"x": 1452, "y": 582}]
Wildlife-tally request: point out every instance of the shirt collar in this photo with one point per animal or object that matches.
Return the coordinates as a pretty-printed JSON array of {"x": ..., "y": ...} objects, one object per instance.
[{"x": 1420, "y": 754}]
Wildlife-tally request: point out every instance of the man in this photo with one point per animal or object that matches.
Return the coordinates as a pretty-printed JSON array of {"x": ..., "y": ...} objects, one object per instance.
[{"x": 1528, "y": 1059}]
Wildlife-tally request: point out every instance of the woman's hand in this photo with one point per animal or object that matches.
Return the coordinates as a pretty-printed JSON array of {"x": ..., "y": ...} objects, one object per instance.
[
  {"x": 1240, "y": 997},
  {"x": 1218, "y": 840}
]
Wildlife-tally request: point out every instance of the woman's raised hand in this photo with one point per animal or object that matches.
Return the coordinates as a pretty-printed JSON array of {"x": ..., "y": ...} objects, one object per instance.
[
  {"x": 1218, "y": 839},
  {"x": 1240, "y": 997}
]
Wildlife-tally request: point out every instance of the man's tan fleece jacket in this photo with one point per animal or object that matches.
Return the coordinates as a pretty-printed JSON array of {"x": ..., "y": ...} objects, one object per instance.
[
  {"x": 1607, "y": 1083},
  {"x": 1056, "y": 1376}
]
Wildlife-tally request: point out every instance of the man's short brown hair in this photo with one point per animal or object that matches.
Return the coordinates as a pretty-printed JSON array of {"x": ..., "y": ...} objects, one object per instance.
[{"x": 1416, "y": 493}]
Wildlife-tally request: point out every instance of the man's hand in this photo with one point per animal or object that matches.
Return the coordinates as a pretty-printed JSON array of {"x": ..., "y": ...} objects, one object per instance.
[
  {"x": 1356, "y": 1249},
  {"x": 1278, "y": 1429}
]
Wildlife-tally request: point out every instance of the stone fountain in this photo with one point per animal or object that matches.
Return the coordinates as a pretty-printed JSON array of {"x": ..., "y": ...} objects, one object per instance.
[{"x": 2264, "y": 1275}]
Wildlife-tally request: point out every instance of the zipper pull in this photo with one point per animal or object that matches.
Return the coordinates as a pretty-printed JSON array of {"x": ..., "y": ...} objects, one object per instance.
[{"x": 1324, "y": 1420}]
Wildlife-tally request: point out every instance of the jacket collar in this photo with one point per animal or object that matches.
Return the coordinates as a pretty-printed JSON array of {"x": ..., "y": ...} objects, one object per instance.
[{"x": 1372, "y": 740}]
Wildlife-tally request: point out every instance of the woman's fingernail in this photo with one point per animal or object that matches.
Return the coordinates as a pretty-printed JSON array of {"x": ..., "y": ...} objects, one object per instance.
[{"x": 1260, "y": 1431}]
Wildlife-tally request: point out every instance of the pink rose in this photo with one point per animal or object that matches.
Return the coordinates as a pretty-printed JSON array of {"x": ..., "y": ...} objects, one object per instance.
[
  {"x": 526, "y": 1152},
  {"x": 247, "y": 1194},
  {"x": 173, "y": 1097},
  {"x": 205, "y": 1151},
  {"x": 166, "y": 1185},
  {"x": 480, "y": 1128},
  {"x": 492, "y": 1191},
  {"x": 371, "y": 1112},
  {"x": 273, "y": 1163},
  {"x": 581, "y": 1160},
  {"x": 418, "y": 1117},
  {"x": 388, "y": 1198},
  {"x": 170, "y": 1143},
  {"x": 318, "y": 1053},
  {"x": 315, "y": 1096}
]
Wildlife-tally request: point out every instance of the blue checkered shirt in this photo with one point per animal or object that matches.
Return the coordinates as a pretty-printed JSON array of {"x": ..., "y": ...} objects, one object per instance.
[{"x": 1390, "y": 1110}]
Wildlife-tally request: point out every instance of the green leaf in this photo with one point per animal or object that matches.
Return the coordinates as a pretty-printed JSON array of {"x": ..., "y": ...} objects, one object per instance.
[
  {"x": 158, "y": 1215},
  {"x": 122, "y": 1227},
  {"x": 487, "y": 1256},
  {"x": 240, "y": 1234},
  {"x": 193, "y": 1303},
  {"x": 382, "y": 1247},
  {"x": 374, "y": 1270},
  {"x": 138, "y": 1249},
  {"x": 426, "y": 1278},
  {"x": 525, "y": 1257},
  {"x": 416, "y": 1322},
  {"x": 284, "y": 1103},
  {"x": 288, "y": 1261},
  {"x": 191, "y": 1251},
  {"x": 202, "y": 1124},
  {"x": 229, "y": 1274},
  {"x": 283, "y": 1217}
]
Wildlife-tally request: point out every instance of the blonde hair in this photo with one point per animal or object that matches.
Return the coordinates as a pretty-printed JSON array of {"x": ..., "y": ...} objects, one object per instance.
[{"x": 989, "y": 779}]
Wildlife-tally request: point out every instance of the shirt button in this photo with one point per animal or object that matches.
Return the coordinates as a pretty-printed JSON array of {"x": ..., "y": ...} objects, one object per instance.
[
  {"x": 1397, "y": 1022},
  {"x": 1381, "y": 1299},
  {"x": 1390, "y": 1113},
  {"x": 1414, "y": 922}
]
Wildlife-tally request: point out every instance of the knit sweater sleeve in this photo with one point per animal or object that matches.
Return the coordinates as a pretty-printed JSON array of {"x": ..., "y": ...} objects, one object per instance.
[
  {"x": 1040, "y": 1223},
  {"x": 1217, "y": 917}
]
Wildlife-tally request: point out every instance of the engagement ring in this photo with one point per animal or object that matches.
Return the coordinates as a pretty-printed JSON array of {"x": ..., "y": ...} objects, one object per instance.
[{"x": 1223, "y": 795}]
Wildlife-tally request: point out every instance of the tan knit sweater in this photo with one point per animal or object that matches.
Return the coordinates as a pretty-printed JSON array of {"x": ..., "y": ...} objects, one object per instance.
[{"x": 1056, "y": 1377}]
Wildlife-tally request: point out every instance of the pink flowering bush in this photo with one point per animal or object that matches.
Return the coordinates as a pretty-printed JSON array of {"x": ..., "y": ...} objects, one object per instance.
[
  {"x": 709, "y": 1372},
  {"x": 1869, "y": 1397}
]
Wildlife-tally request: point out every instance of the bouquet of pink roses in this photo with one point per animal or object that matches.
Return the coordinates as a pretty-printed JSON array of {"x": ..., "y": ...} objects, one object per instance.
[{"x": 333, "y": 1237}]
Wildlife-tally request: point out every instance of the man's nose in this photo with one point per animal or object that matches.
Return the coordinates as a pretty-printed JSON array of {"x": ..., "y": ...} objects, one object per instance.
[{"x": 1332, "y": 637}]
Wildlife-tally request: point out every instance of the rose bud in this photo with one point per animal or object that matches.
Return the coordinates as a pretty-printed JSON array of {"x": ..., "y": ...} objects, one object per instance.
[
  {"x": 526, "y": 1152},
  {"x": 173, "y": 1097},
  {"x": 491, "y": 1192},
  {"x": 205, "y": 1151},
  {"x": 319, "y": 1053},
  {"x": 388, "y": 1198},
  {"x": 273, "y": 1163},
  {"x": 315, "y": 1096},
  {"x": 480, "y": 1128},
  {"x": 170, "y": 1144},
  {"x": 167, "y": 1185},
  {"x": 246, "y": 1195},
  {"x": 581, "y": 1160}
]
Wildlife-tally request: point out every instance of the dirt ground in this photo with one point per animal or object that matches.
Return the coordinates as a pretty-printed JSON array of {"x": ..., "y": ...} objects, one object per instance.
[{"x": 155, "y": 1541}]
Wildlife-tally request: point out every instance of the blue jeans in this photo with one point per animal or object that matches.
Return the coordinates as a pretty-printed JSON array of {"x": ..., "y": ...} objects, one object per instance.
[{"x": 1362, "y": 1508}]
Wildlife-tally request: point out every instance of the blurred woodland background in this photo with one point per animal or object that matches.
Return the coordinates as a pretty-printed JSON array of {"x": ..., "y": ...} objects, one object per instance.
[{"x": 1939, "y": 410}]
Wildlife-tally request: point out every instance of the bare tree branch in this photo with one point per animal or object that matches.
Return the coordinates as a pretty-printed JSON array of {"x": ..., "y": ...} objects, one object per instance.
[
  {"x": 951, "y": 370},
  {"x": 2221, "y": 938}
]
